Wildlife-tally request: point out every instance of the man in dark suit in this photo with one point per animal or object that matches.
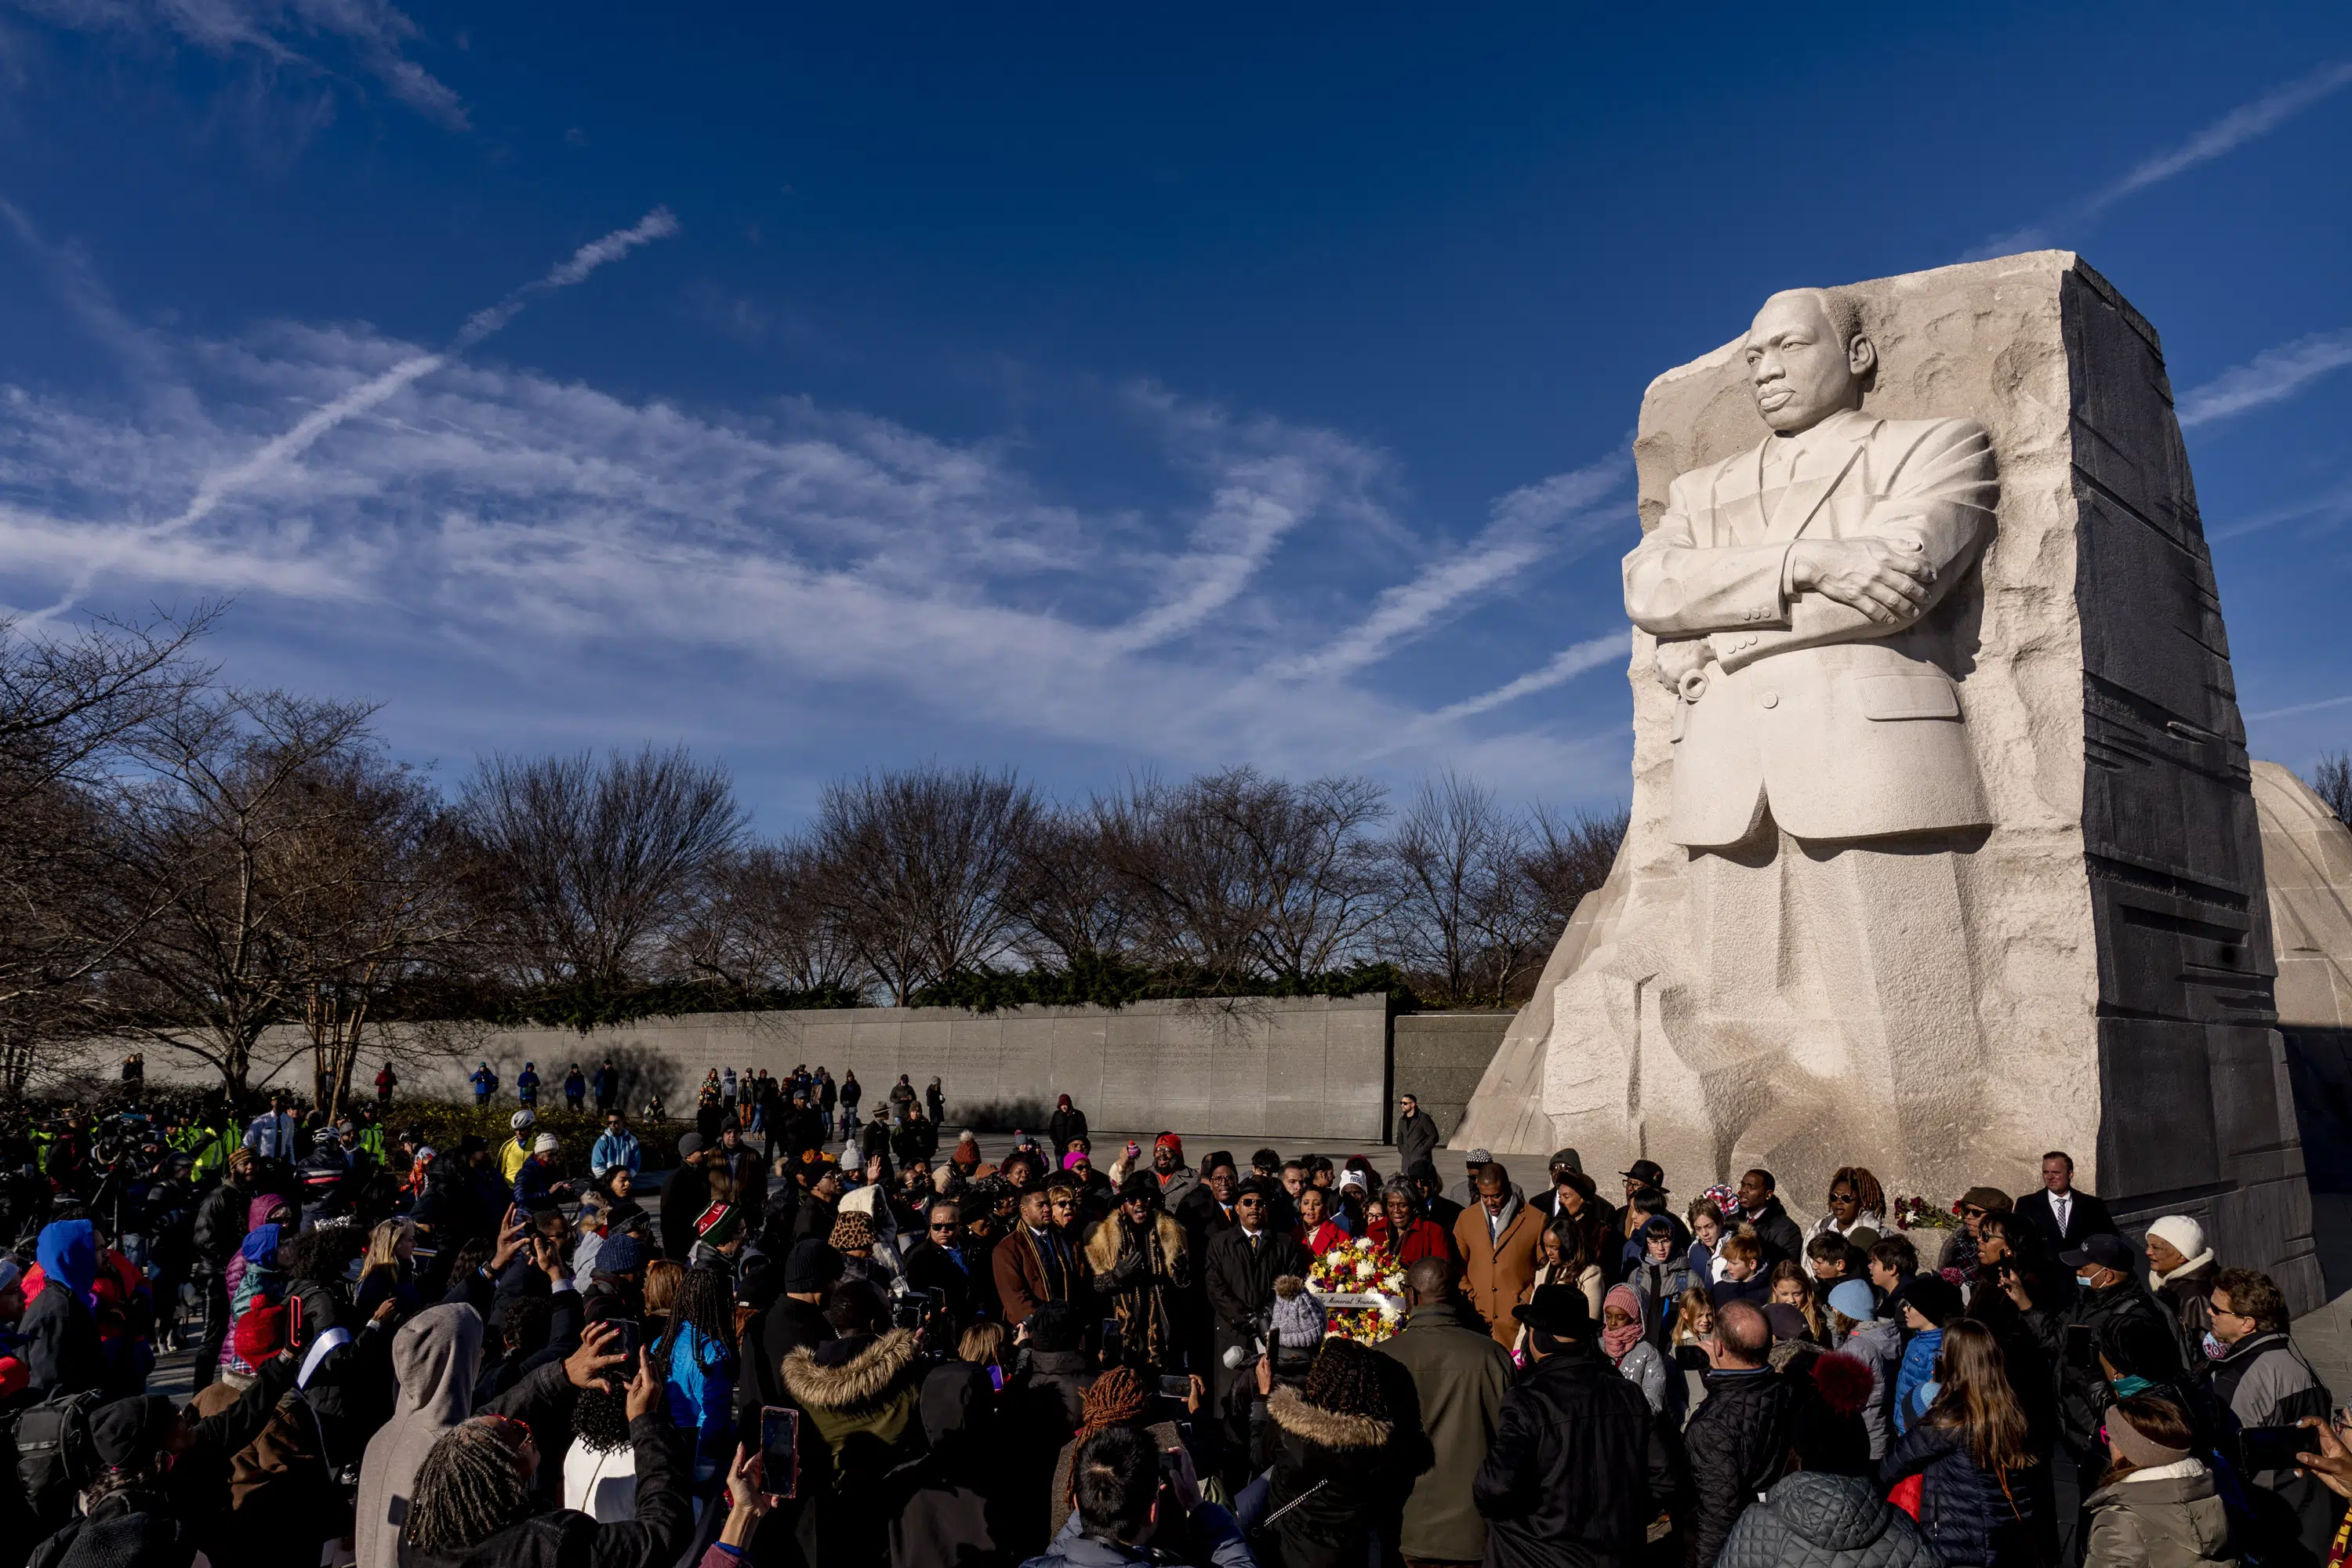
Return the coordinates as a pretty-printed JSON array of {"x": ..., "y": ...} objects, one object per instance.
[
  {"x": 2061, "y": 1215},
  {"x": 937, "y": 1262},
  {"x": 1243, "y": 1262}
]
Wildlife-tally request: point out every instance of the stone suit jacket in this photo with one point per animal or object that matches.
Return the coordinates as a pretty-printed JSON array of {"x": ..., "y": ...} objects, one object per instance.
[{"x": 1844, "y": 728}]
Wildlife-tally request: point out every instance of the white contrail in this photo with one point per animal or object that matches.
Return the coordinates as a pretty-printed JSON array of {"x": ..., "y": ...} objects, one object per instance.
[
  {"x": 2268, "y": 377},
  {"x": 2243, "y": 124},
  {"x": 280, "y": 450},
  {"x": 1565, "y": 666}
]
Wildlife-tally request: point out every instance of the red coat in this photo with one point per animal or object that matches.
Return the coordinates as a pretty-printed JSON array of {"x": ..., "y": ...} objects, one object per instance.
[
  {"x": 1328, "y": 1235},
  {"x": 1422, "y": 1238}
]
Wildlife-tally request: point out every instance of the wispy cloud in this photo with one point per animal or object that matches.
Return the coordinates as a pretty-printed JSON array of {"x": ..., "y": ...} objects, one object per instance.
[
  {"x": 2232, "y": 131},
  {"x": 2330, "y": 505},
  {"x": 273, "y": 455},
  {"x": 1565, "y": 665},
  {"x": 2270, "y": 376},
  {"x": 2289, "y": 712},
  {"x": 1526, "y": 526},
  {"x": 463, "y": 509},
  {"x": 376, "y": 34}
]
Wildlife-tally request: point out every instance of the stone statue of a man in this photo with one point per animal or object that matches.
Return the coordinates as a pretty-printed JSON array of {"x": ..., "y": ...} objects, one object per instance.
[{"x": 1811, "y": 597}]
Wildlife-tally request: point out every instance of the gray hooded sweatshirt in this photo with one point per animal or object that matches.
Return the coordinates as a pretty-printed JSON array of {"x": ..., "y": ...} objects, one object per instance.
[{"x": 437, "y": 1356}]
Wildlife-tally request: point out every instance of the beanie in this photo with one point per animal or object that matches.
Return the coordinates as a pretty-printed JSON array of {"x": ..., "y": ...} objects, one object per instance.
[
  {"x": 2186, "y": 1236},
  {"x": 811, "y": 1266},
  {"x": 2142, "y": 1451},
  {"x": 620, "y": 1255},
  {"x": 1298, "y": 1315},
  {"x": 1853, "y": 1298},
  {"x": 546, "y": 1143},
  {"x": 260, "y": 1334},
  {"x": 718, "y": 1223},
  {"x": 1933, "y": 1297},
  {"x": 128, "y": 1432}
]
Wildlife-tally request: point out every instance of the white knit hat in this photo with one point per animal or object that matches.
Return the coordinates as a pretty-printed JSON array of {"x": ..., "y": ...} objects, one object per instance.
[
  {"x": 546, "y": 1143},
  {"x": 2186, "y": 1236}
]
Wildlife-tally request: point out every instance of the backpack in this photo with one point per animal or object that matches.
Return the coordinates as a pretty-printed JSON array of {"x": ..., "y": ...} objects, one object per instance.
[{"x": 55, "y": 1459}]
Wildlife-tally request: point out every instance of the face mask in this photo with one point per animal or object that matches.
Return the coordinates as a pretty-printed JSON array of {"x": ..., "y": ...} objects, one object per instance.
[{"x": 2087, "y": 1282}]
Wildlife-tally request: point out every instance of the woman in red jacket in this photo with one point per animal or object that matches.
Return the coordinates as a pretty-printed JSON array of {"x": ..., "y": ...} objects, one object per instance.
[
  {"x": 1317, "y": 1232},
  {"x": 1401, "y": 1234}
]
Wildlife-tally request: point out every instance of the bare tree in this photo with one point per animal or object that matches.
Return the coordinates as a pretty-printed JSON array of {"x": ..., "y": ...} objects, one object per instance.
[
  {"x": 381, "y": 895},
  {"x": 1467, "y": 921},
  {"x": 589, "y": 869},
  {"x": 1236, "y": 874},
  {"x": 250, "y": 843},
  {"x": 764, "y": 923},
  {"x": 919, "y": 863},
  {"x": 1568, "y": 856},
  {"x": 71, "y": 708},
  {"x": 1074, "y": 910},
  {"x": 2332, "y": 782}
]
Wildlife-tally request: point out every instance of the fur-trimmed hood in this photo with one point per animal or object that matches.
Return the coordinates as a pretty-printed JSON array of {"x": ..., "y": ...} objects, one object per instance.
[
  {"x": 1325, "y": 1428},
  {"x": 1103, "y": 1243},
  {"x": 864, "y": 1374}
]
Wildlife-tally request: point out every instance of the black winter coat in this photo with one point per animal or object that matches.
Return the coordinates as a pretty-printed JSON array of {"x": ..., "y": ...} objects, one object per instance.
[
  {"x": 126, "y": 1530},
  {"x": 59, "y": 1343},
  {"x": 220, "y": 1225},
  {"x": 1241, "y": 1281},
  {"x": 1964, "y": 1516},
  {"x": 1576, "y": 1471},
  {"x": 1782, "y": 1241},
  {"x": 1737, "y": 1443},
  {"x": 565, "y": 1539},
  {"x": 2084, "y": 1393},
  {"x": 1815, "y": 1519},
  {"x": 1339, "y": 1472}
]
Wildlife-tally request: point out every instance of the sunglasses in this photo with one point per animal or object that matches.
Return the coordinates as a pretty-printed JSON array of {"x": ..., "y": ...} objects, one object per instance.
[{"x": 952, "y": 1226}]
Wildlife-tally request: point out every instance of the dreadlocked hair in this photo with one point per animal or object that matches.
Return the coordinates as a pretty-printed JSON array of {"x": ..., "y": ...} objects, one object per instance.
[
  {"x": 469, "y": 1487},
  {"x": 705, "y": 1304}
]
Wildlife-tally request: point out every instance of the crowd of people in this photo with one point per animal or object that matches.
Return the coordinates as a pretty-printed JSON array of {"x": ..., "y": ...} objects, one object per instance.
[{"x": 819, "y": 1345}]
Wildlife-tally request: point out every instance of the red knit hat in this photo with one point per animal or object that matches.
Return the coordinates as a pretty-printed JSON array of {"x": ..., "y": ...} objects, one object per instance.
[{"x": 260, "y": 1333}]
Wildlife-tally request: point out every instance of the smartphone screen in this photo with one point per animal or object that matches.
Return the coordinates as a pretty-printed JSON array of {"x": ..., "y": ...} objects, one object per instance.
[
  {"x": 630, "y": 1332},
  {"x": 779, "y": 1436},
  {"x": 2082, "y": 1348},
  {"x": 2274, "y": 1447},
  {"x": 1177, "y": 1388}
]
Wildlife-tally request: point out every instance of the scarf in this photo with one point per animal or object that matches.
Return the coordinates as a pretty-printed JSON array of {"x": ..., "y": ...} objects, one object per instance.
[{"x": 1617, "y": 1342}]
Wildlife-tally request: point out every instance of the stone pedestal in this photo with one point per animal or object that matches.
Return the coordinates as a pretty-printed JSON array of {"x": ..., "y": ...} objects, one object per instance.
[{"x": 2112, "y": 994}]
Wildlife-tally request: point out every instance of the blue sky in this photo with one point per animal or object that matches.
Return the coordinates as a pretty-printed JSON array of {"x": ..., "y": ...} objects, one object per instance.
[{"x": 1066, "y": 387}]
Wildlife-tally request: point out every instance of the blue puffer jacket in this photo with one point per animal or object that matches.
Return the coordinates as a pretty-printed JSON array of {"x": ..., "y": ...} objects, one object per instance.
[
  {"x": 1914, "y": 1381},
  {"x": 1964, "y": 1516}
]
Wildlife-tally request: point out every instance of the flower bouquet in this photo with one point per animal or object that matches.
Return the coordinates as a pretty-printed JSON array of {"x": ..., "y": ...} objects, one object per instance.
[
  {"x": 1362, "y": 1292},
  {"x": 1919, "y": 1213}
]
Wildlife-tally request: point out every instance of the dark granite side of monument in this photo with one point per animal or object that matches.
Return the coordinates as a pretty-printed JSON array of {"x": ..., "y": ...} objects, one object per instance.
[{"x": 2198, "y": 1114}]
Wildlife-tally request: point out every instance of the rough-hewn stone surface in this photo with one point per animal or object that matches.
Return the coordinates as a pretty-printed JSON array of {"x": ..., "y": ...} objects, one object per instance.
[{"x": 2117, "y": 965}]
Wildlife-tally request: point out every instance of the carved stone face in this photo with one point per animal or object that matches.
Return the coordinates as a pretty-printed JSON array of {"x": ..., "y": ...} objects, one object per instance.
[{"x": 1801, "y": 373}]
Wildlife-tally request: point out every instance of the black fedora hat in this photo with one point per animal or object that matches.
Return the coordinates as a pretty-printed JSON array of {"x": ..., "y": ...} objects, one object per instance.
[
  {"x": 1559, "y": 1310},
  {"x": 1649, "y": 1173}
]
